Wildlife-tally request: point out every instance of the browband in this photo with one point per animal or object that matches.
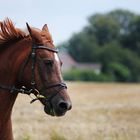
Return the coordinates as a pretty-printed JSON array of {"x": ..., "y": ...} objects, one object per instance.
[{"x": 47, "y": 48}]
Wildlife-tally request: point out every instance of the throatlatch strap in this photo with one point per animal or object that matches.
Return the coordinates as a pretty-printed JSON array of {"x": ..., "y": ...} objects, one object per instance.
[{"x": 12, "y": 89}]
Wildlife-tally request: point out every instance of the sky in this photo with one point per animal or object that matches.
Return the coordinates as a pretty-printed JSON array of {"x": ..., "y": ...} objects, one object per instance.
[{"x": 63, "y": 17}]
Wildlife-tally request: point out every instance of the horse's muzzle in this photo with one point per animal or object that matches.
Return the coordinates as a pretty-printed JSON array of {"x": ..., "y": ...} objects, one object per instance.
[{"x": 57, "y": 106}]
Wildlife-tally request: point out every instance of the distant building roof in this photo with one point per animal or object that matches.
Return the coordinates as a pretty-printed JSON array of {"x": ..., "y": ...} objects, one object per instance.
[
  {"x": 89, "y": 65},
  {"x": 69, "y": 63}
]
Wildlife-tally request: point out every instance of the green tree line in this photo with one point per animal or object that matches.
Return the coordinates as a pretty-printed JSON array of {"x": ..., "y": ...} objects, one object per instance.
[{"x": 113, "y": 40}]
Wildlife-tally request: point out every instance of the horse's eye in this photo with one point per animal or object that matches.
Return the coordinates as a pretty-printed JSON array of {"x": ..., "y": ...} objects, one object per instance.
[{"x": 48, "y": 62}]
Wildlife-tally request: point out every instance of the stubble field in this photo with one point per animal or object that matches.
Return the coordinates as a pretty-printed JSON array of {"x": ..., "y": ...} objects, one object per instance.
[{"x": 100, "y": 112}]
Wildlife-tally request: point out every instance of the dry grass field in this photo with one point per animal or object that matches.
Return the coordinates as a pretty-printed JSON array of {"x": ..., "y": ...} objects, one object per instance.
[{"x": 100, "y": 112}]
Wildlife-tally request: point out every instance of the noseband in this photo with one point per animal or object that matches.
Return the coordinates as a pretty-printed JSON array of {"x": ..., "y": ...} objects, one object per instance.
[{"x": 33, "y": 89}]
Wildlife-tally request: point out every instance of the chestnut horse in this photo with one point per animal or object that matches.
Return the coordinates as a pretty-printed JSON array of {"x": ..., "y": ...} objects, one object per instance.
[{"x": 29, "y": 64}]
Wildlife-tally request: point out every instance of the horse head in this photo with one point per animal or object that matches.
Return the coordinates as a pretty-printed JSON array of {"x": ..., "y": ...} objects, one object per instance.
[{"x": 42, "y": 73}]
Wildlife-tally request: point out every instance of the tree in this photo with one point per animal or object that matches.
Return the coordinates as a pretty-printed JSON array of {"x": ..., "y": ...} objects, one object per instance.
[
  {"x": 82, "y": 46},
  {"x": 120, "y": 72},
  {"x": 132, "y": 39},
  {"x": 123, "y": 18},
  {"x": 104, "y": 28},
  {"x": 112, "y": 39}
]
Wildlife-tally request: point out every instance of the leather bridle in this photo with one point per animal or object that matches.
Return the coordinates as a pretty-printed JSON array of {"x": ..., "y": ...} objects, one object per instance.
[{"x": 33, "y": 89}]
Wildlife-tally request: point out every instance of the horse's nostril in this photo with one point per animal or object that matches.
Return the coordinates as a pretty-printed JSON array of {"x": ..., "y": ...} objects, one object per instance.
[{"x": 63, "y": 105}]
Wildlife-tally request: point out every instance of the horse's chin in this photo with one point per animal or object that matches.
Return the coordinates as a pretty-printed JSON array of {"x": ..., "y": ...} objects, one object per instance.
[
  {"x": 51, "y": 111},
  {"x": 57, "y": 106}
]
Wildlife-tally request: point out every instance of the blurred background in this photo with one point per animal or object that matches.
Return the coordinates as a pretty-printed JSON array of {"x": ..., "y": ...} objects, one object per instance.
[{"x": 99, "y": 43}]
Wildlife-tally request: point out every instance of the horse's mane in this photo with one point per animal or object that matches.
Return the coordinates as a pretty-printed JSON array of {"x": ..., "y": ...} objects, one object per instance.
[{"x": 9, "y": 34}]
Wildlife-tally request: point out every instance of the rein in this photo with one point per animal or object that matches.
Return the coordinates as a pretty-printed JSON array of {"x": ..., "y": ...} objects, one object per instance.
[{"x": 33, "y": 89}]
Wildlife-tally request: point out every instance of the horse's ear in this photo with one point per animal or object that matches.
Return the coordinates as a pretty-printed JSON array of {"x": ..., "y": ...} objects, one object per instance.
[
  {"x": 35, "y": 35},
  {"x": 29, "y": 29},
  {"x": 45, "y": 28},
  {"x": 46, "y": 36}
]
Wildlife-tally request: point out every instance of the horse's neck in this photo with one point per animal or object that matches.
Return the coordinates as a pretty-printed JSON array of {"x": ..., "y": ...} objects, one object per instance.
[
  {"x": 7, "y": 77},
  {"x": 6, "y": 99},
  {"x": 6, "y": 104}
]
